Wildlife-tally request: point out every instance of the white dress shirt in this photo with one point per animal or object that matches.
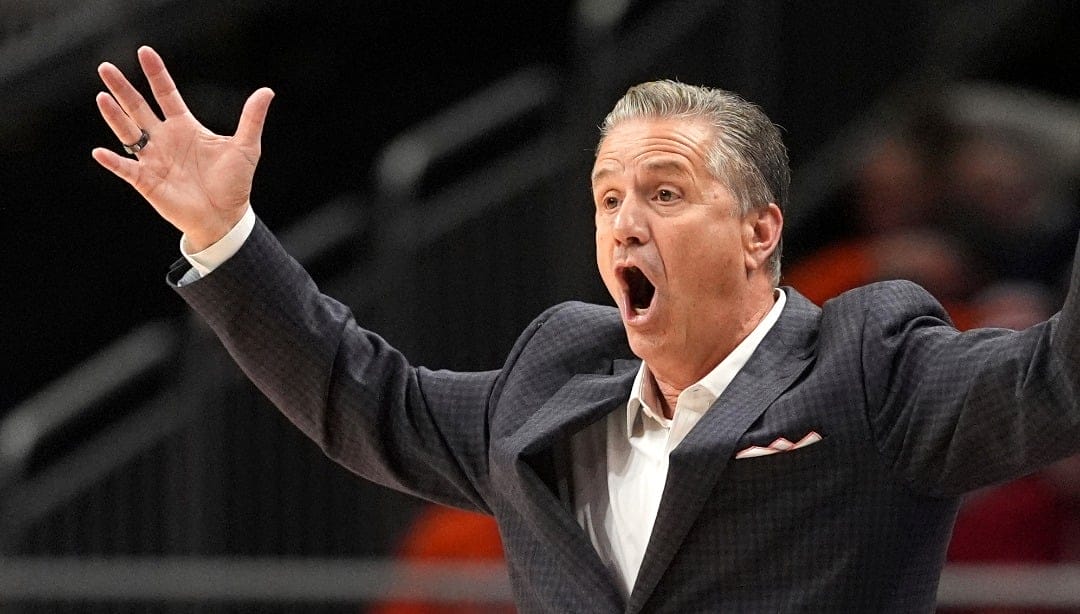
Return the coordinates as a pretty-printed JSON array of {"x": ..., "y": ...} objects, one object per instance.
[{"x": 620, "y": 464}]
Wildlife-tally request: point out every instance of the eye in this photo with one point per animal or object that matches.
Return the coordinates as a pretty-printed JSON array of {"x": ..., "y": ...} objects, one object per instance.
[
  {"x": 609, "y": 202},
  {"x": 666, "y": 196}
]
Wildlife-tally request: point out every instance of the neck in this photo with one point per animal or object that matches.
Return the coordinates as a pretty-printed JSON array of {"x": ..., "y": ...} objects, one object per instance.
[
  {"x": 661, "y": 396},
  {"x": 671, "y": 374}
]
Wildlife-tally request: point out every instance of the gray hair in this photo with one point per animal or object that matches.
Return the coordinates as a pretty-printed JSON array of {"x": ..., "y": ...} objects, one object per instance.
[{"x": 746, "y": 154}]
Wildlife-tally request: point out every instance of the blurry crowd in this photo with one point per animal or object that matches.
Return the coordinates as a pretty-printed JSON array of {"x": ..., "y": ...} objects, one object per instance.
[
  {"x": 980, "y": 218},
  {"x": 970, "y": 214}
]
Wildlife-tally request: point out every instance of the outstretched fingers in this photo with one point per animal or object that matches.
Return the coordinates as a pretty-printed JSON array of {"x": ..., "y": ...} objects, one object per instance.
[
  {"x": 129, "y": 98},
  {"x": 124, "y": 168},
  {"x": 161, "y": 83},
  {"x": 253, "y": 117},
  {"x": 119, "y": 122}
]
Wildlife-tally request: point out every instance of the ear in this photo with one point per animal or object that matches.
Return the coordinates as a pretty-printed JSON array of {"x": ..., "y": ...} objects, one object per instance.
[{"x": 762, "y": 228}]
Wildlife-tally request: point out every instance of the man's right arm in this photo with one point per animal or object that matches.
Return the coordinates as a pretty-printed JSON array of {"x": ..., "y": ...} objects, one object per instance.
[{"x": 358, "y": 398}]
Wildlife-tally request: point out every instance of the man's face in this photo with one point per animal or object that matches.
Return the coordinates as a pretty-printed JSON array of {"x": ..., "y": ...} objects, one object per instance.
[{"x": 669, "y": 244}]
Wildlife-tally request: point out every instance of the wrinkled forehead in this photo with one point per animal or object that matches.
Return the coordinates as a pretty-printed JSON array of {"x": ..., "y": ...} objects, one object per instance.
[
  {"x": 656, "y": 144},
  {"x": 685, "y": 123}
]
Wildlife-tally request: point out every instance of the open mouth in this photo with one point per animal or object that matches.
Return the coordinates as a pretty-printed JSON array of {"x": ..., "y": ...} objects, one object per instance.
[{"x": 639, "y": 289}]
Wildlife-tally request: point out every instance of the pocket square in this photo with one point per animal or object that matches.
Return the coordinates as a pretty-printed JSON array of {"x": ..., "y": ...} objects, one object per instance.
[{"x": 780, "y": 445}]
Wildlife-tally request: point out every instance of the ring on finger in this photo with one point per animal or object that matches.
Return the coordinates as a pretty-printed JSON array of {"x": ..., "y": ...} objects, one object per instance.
[{"x": 138, "y": 146}]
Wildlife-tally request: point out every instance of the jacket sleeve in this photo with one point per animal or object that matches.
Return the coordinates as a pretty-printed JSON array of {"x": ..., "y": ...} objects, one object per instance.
[
  {"x": 415, "y": 430},
  {"x": 951, "y": 411}
]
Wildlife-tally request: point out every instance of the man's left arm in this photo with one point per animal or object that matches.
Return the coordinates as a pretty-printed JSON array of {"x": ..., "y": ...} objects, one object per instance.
[{"x": 954, "y": 411}]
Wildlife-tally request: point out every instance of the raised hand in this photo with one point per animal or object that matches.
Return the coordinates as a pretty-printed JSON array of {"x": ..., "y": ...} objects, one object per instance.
[{"x": 200, "y": 182}]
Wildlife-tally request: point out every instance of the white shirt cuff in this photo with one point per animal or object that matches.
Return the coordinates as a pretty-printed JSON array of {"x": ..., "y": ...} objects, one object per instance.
[{"x": 207, "y": 260}]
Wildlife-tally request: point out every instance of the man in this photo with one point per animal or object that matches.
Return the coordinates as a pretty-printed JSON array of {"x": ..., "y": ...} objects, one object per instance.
[{"x": 715, "y": 444}]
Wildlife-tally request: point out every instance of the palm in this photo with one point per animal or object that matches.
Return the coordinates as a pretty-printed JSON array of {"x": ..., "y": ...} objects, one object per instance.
[
  {"x": 194, "y": 172},
  {"x": 198, "y": 181}
]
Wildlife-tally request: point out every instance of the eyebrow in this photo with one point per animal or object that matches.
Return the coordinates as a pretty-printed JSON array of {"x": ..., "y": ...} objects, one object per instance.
[
  {"x": 667, "y": 166},
  {"x": 601, "y": 173}
]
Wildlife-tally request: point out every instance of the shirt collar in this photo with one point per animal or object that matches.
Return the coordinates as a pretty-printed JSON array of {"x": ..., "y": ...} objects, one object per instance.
[{"x": 701, "y": 395}]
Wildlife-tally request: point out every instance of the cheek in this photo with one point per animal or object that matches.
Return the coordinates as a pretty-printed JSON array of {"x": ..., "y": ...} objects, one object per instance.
[
  {"x": 603, "y": 258},
  {"x": 709, "y": 264},
  {"x": 605, "y": 242}
]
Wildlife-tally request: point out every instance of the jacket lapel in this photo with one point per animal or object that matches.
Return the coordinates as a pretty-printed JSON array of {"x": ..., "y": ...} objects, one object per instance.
[
  {"x": 584, "y": 399},
  {"x": 541, "y": 444},
  {"x": 696, "y": 464}
]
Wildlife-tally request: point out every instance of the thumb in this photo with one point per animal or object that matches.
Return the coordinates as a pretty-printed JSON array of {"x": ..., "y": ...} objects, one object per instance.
[{"x": 253, "y": 117}]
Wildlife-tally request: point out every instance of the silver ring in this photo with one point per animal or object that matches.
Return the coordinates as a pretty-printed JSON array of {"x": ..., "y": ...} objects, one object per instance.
[{"x": 137, "y": 146}]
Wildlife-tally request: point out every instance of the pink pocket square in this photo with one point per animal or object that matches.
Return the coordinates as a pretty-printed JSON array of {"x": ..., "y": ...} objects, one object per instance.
[{"x": 780, "y": 445}]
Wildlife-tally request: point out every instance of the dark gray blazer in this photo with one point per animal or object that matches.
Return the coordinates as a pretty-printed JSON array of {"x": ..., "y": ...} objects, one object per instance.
[{"x": 912, "y": 413}]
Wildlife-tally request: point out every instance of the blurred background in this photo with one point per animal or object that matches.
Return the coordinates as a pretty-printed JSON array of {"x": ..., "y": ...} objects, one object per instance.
[{"x": 428, "y": 162}]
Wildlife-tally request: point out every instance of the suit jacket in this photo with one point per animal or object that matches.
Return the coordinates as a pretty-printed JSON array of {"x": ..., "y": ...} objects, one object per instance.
[{"x": 912, "y": 414}]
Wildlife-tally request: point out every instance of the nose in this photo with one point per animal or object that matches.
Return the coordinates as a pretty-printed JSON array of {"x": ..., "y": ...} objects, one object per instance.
[{"x": 630, "y": 223}]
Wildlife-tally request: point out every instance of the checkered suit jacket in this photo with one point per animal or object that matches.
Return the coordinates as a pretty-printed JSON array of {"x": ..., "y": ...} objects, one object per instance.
[{"x": 912, "y": 413}]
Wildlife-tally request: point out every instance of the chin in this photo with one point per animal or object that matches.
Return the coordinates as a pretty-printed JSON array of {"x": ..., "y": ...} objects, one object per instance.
[{"x": 643, "y": 346}]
